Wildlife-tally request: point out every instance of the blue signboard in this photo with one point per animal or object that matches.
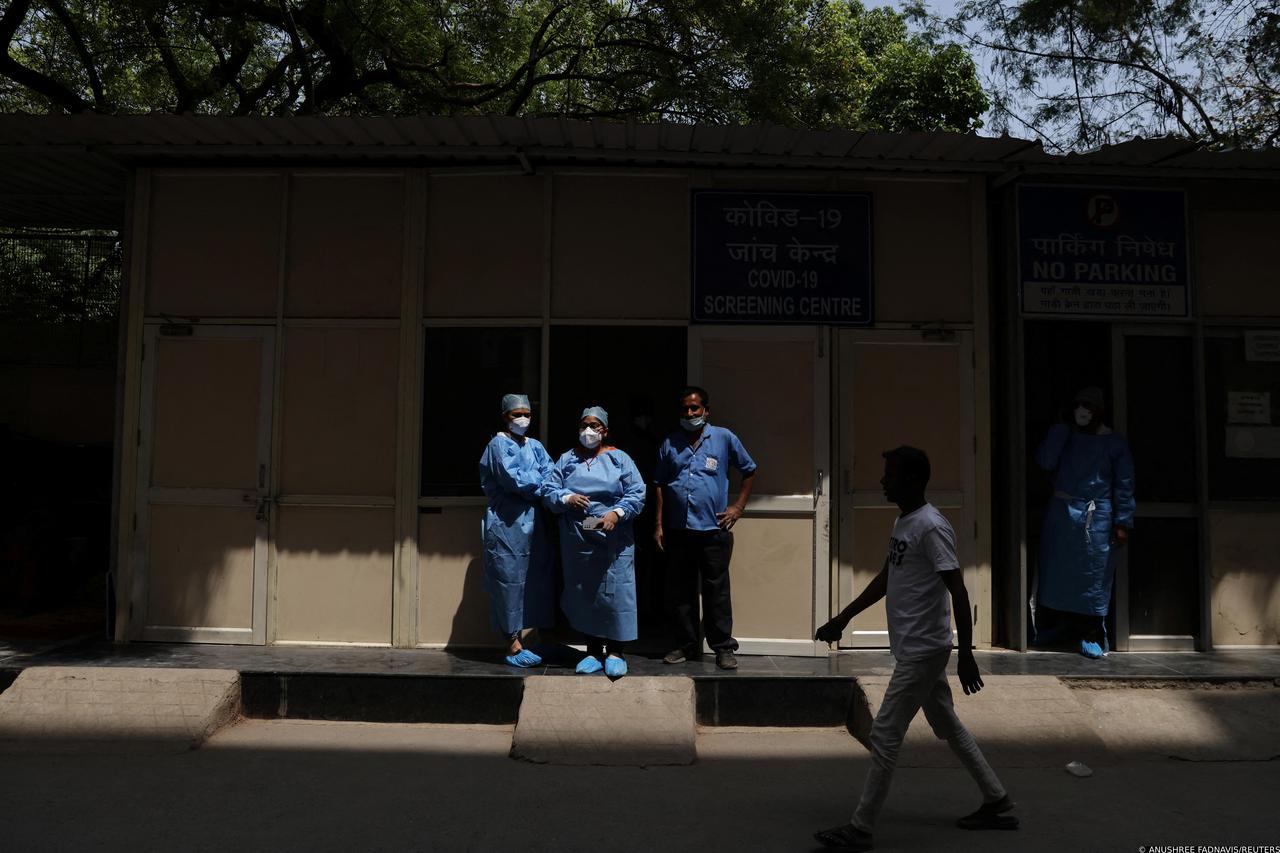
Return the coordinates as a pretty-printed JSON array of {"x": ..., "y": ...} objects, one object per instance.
[
  {"x": 1103, "y": 251},
  {"x": 782, "y": 258}
]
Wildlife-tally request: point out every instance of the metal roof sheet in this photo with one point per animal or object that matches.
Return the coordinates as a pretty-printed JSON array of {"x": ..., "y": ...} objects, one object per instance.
[{"x": 78, "y": 165}]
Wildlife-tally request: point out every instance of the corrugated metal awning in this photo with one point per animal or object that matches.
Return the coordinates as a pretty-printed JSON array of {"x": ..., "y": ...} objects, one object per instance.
[{"x": 72, "y": 170}]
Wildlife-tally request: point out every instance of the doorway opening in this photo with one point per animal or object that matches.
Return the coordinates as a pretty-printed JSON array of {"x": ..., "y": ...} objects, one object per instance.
[{"x": 1147, "y": 377}]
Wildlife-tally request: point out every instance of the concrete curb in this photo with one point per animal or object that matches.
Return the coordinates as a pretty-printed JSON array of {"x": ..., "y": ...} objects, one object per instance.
[{"x": 116, "y": 709}]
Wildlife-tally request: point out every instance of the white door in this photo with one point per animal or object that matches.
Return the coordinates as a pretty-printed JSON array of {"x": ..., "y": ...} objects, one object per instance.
[
  {"x": 200, "y": 547},
  {"x": 895, "y": 388},
  {"x": 770, "y": 386}
]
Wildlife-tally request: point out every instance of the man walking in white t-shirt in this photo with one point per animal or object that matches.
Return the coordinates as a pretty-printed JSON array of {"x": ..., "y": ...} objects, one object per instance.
[{"x": 920, "y": 578}]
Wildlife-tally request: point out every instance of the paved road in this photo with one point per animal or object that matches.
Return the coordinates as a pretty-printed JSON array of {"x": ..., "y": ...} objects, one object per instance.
[{"x": 311, "y": 786}]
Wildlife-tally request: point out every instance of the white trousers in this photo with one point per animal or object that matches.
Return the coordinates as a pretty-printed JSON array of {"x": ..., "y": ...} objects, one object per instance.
[{"x": 915, "y": 685}]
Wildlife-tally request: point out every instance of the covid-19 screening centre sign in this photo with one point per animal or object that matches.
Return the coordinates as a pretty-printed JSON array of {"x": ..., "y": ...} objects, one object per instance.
[
  {"x": 801, "y": 258},
  {"x": 1103, "y": 251}
]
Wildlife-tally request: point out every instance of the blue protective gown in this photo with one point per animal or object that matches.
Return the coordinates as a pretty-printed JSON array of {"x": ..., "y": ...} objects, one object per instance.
[
  {"x": 1093, "y": 491},
  {"x": 599, "y": 568},
  {"x": 517, "y": 556}
]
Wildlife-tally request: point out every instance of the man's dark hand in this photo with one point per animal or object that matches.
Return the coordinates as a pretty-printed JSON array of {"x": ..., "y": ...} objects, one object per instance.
[
  {"x": 830, "y": 632},
  {"x": 967, "y": 670},
  {"x": 729, "y": 517}
]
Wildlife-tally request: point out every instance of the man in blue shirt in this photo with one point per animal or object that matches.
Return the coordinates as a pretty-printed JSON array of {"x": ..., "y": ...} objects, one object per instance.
[{"x": 693, "y": 525}]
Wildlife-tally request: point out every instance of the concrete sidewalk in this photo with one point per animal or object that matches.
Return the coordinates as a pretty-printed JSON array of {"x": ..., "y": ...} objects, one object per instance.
[{"x": 320, "y": 787}]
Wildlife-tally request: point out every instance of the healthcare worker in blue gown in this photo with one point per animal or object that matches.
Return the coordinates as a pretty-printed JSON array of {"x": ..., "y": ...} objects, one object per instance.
[
  {"x": 597, "y": 492},
  {"x": 517, "y": 555},
  {"x": 1090, "y": 512}
]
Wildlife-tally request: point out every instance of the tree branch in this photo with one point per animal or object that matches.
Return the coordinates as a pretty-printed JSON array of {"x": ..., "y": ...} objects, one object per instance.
[
  {"x": 82, "y": 50},
  {"x": 35, "y": 81},
  {"x": 1123, "y": 63},
  {"x": 534, "y": 57}
]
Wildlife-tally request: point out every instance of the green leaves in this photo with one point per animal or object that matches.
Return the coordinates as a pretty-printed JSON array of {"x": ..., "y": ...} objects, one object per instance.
[{"x": 803, "y": 63}]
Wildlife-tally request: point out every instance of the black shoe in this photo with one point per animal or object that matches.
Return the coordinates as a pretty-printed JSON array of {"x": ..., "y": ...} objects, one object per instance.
[
  {"x": 675, "y": 656},
  {"x": 991, "y": 816},
  {"x": 844, "y": 837},
  {"x": 726, "y": 659}
]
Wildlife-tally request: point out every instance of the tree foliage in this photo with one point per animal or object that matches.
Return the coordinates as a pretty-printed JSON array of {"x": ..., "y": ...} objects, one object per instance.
[
  {"x": 1083, "y": 73},
  {"x": 806, "y": 63}
]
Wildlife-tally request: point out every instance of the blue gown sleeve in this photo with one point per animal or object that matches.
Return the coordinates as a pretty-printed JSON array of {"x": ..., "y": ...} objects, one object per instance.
[
  {"x": 553, "y": 490},
  {"x": 1049, "y": 453},
  {"x": 633, "y": 490},
  {"x": 545, "y": 466},
  {"x": 507, "y": 469},
  {"x": 1122, "y": 485}
]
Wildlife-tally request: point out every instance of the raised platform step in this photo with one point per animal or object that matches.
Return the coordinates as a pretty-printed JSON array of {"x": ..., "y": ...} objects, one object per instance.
[
  {"x": 640, "y": 722},
  {"x": 116, "y": 709}
]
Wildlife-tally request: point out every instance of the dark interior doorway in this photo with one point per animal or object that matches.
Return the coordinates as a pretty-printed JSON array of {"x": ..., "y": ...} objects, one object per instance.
[
  {"x": 635, "y": 373},
  {"x": 1060, "y": 357}
]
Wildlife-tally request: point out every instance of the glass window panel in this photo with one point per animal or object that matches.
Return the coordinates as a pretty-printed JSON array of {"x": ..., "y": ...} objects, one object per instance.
[
  {"x": 467, "y": 370},
  {"x": 1161, "y": 417},
  {"x": 1164, "y": 560},
  {"x": 1243, "y": 462}
]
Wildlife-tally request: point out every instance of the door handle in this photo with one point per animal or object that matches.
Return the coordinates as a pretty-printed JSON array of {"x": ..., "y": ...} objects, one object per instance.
[{"x": 817, "y": 487}]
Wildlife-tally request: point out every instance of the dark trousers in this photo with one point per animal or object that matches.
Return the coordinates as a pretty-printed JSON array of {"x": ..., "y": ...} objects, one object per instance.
[
  {"x": 698, "y": 562},
  {"x": 598, "y": 647}
]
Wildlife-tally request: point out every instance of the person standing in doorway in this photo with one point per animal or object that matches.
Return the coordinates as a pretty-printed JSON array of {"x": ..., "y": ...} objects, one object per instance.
[
  {"x": 919, "y": 581},
  {"x": 694, "y": 525},
  {"x": 1091, "y": 510},
  {"x": 517, "y": 556}
]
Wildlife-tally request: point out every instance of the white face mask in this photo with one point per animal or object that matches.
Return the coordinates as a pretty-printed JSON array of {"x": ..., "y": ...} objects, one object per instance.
[
  {"x": 590, "y": 438},
  {"x": 1083, "y": 416},
  {"x": 693, "y": 424},
  {"x": 520, "y": 424}
]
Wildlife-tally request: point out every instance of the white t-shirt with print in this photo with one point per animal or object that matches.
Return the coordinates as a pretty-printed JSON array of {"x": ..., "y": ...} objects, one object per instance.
[{"x": 917, "y": 601}]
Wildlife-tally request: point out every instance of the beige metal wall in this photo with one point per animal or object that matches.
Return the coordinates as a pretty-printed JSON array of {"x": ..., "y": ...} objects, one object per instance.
[
  {"x": 1244, "y": 577},
  {"x": 1234, "y": 228},
  {"x": 347, "y": 267},
  {"x": 316, "y": 259}
]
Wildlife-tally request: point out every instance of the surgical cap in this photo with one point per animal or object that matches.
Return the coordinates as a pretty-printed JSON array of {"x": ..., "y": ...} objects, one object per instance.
[
  {"x": 515, "y": 401},
  {"x": 1091, "y": 395},
  {"x": 596, "y": 412}
]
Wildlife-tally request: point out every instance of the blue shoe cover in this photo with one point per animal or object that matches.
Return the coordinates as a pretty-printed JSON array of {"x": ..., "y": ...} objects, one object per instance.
[
  {"x": 524, "y": 658},
  {"x": 588, "y": 665},
  {"x": 615, "y": 667},
  {"x": 1090, "y": 650}
]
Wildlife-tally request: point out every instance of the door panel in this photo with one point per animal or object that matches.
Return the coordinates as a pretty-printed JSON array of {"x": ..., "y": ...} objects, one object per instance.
[
  {"x": 764, "y": 392},
  {"x": 201, "y": 400},
  {"x": 1157, "y": 599},
  {"x": 905, "y": 393},
  {"x": 769, "y": 385},
  {"x": 201, "y": 566},
  {"x": 202, "y": 510},
  {"x": 896, "y": 388}
]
